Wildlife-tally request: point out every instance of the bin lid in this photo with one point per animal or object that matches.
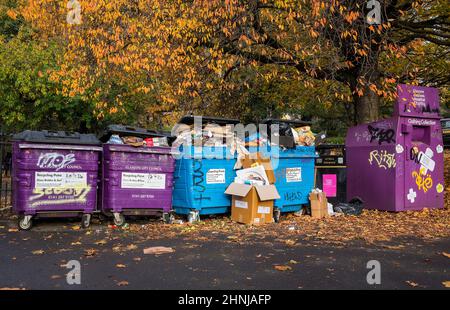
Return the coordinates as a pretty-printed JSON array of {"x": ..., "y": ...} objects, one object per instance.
[
  {"x": 56, "y": 137},
  {"x": 189, "y": 120},
  {"x": 123, "y": 130}
]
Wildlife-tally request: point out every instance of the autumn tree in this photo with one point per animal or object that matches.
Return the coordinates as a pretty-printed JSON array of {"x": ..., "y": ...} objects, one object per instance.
[{"x": 177, "y": 54}]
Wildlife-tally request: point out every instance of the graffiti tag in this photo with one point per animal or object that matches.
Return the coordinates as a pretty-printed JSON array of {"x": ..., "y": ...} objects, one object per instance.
[
  {"x": 423, "y": 181},
  {"x": 381, "y": 135},
  {"x": 55, "y": 161},
  {"x": 383, "y": 159},
  {"x": 292, "y": 196},
  {"x": 59, "y": 195},
  {"x": 198, "y": 178}
]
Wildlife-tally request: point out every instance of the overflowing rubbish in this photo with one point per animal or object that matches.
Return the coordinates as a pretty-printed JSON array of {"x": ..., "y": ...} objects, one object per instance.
[
  {"x": 303, "y": 136},
  {"x": 213, "y": 132},
  {"x": 291, "y": 133},
  {"x": 138, "y": 142}
]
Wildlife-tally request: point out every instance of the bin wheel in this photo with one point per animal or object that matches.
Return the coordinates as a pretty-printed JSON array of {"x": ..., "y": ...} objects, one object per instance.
[
  {"x": 85, "y": 221},
  {"x": 276, "y": 215},
  {"x": 168, "y": 218},
  {"x": 25, "y": 222},
  {"x": 119, "y": 219},
  {"x": 193, "y": 216}
]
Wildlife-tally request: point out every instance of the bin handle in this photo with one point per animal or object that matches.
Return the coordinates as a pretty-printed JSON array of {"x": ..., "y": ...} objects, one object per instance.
[{"x": 203, "y": 198}]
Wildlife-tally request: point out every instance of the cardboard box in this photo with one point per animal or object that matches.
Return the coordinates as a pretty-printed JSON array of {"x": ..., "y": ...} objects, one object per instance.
[
  {"x": 319, "y": 205},
  {"x": 256, "y": 158},
  {"x": 252, "y": 204}
]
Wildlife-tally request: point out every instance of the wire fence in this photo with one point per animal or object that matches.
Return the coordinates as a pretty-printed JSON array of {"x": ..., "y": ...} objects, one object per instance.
[{"x": 5, "y": 171}]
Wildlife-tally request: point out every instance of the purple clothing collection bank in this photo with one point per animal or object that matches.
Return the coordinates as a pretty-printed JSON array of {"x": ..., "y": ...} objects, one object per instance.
[{"x": 395, "y": 164}]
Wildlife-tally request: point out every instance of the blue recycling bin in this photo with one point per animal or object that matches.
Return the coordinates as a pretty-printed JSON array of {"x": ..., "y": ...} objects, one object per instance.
[
  {"x": 294, "y": 173},
  {"x": 203, "y": 173},
  {"x": 200, "y": 181},
  {"x": 293, "y": 166}
]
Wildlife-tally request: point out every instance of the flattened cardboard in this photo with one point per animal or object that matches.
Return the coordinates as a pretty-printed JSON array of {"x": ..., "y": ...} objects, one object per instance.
[
  {"x": 251, "y": 159},
  {"x": 237, "y": 189},
  {"x": 267, "y": 192}
]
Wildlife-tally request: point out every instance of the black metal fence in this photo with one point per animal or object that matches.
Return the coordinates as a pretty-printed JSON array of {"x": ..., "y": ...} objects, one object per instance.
[{"x": 5, "y": 171}]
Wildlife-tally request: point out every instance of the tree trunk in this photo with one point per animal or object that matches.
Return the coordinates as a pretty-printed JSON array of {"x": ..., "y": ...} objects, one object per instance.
[{"x": 367, "y": 107}]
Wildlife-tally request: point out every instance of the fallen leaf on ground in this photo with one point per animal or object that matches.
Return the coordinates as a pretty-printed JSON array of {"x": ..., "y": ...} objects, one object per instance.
[
  {"x": 282, "y": 267},
  {"x": 122, "y": 283},
  {"x": 446, "y": 254},
  {"x": 290, "y": 242},
  {"x": 137, "y": 259},
  {"x": 13, "y": 230},
  {"x": 90, "y": 252},
  {"x": 394, "y": 247},
  {"x": 11, "y": 289},
  {"x": 121, "y": 266},
  {"x": 413, "y": 284},
  {"x": 55, "y": 277},
  {"x": 131, "y": 247},
  {"x": 76, "y": 243},
  {"x": 158, "y": 250},
  {"x": 446, "y": 283},
  {"x": 101, "y": 242},
  {"x": 38, "y": 252},
  {"x": 76, "y": 227},
  {"x": 293, "y": 261}
]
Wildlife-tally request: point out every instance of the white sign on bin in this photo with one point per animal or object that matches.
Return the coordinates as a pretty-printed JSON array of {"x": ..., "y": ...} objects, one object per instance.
[
  {"x": 241, "y": 204},
  {"x": 60, "y": 179},
  {"x": 143, "y": 180},
  {"x": 294, "y": 174},
  {"x": 215, "y": 176}
]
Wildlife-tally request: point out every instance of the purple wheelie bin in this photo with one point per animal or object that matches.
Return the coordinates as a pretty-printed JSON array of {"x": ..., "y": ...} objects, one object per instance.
[
  {"x": 136, "y": 180},
  {"x": 397, "y": 164},
  {"x": 55, "y": 174}
]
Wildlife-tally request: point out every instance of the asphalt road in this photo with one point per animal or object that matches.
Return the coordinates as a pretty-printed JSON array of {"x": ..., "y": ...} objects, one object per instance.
[{"x": 36, "y": 260}]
